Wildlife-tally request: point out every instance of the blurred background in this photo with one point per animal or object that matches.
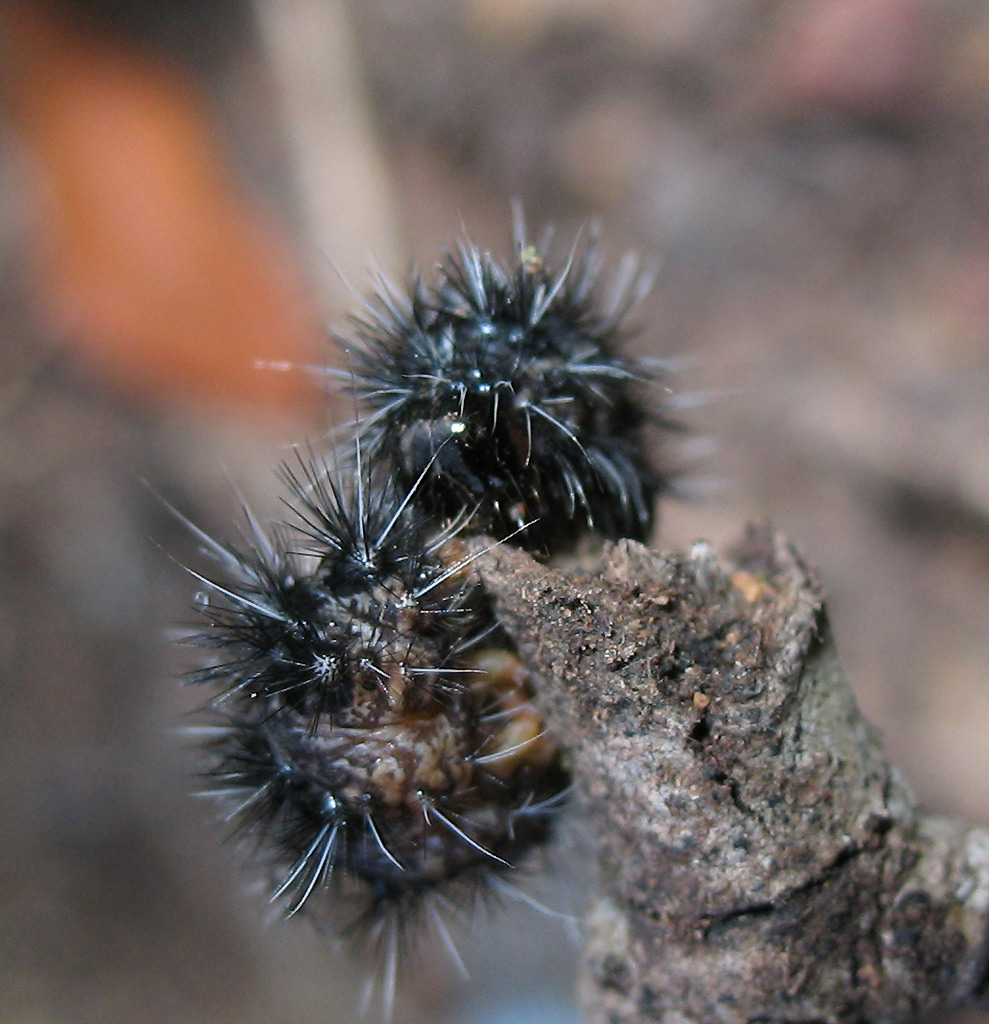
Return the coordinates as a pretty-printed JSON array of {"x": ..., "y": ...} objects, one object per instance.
[{"x": 187, "y": 187}]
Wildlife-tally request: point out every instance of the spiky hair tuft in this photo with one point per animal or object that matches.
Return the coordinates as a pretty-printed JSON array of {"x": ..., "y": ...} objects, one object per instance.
[
  {"x": 373, "y": 735},
  {"x": 505, "y": 388}
]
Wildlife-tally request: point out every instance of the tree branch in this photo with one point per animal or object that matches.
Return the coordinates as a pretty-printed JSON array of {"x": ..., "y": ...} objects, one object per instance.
[{"x": 761, "y": 860}]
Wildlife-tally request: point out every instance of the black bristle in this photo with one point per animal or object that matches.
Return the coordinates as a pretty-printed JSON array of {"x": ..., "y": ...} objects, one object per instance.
[
  {"x": 359, "y": 737},
  {"x": 372, "y": 734},
  {"x": 505, "y": 388}
]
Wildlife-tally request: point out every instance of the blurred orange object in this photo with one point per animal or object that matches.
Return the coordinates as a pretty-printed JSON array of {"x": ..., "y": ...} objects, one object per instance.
[{"x": 150, "y": 256}]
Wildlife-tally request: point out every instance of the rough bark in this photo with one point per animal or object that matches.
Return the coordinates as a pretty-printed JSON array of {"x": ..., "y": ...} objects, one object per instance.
[{"x": 761, "y": 859}]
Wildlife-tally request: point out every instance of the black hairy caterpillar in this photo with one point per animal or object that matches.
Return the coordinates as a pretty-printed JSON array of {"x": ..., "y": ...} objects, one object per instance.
[
  {"x": 377, "y": 594},
  {"x": 505, "y": 389},
  {"x": 373, "y": 734}
]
